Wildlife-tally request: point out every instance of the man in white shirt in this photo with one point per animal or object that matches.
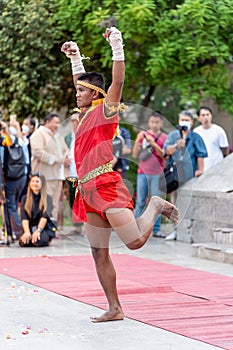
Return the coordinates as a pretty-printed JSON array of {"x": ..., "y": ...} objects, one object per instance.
[{"x": 214, "y": 137}]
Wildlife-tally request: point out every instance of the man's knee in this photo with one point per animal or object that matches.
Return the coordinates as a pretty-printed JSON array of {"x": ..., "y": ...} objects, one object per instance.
[
  {"x": 138, "y": 243},
  {"x": 99, "y": 254}
]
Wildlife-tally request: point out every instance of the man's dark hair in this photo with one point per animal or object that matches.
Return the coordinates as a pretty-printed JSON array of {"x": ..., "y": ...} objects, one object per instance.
[
  {"x": 204, "y": 107},
  {"x": 32, "y": 122},
  {"x": 94, "y": 79},
  {"x": 50, "y": 116},
  {"x": 156, "y": 114}
]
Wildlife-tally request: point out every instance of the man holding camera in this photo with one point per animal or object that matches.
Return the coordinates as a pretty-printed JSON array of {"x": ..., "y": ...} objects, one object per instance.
[
  {"x": 187, "y": 145},
  {"x": 149, "y": 169}
]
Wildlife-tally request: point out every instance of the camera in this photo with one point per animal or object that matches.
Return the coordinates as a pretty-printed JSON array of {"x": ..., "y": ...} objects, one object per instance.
[{"x": 182, "y": 127}]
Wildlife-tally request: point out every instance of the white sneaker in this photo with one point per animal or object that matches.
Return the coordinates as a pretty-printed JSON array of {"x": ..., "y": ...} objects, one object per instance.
[{"x": 171, "y": 236}]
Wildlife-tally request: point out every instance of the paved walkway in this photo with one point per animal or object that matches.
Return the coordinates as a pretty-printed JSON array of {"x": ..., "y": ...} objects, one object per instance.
[{"x": 33, "y": 318}]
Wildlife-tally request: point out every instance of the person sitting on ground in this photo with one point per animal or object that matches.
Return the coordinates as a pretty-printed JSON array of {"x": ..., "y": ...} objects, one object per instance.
[
  {"x": 38, "y": 229},
  {"x": 50, "y": 157},
  {"x": 102, "y": 200}
]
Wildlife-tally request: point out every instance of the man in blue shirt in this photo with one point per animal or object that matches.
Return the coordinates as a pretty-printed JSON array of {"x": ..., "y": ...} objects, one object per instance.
[{"x": 190, "y": 146}]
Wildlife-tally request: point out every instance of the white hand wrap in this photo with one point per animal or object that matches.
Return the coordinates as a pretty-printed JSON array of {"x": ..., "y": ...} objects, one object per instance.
[
  {"x": 75, "y": 57},
  {"x": 115, "y": 40},
  {"x": 77, "y": 65}
]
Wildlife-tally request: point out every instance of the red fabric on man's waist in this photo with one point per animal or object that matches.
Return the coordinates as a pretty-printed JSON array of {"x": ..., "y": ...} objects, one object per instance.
[{"x": 101, "y": 193}]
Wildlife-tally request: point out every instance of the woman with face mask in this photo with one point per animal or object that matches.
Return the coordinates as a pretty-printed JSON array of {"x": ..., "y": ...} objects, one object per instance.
[
  {"x": 187, "y": 145},
  {"x": 25, "y": 132}
]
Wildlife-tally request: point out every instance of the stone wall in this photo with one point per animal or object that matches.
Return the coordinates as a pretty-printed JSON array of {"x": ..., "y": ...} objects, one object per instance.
[{"x": 206, "y": 203}]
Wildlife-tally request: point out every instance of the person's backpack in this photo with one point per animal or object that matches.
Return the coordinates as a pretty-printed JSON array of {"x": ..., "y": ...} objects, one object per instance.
[{"x": 14, "y": 161}]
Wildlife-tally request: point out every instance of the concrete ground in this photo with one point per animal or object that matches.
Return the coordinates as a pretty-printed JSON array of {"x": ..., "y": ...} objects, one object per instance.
[{"x": 34, "y": 318}]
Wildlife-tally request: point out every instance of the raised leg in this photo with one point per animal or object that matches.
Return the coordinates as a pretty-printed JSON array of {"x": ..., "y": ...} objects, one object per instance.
[{"x": 135, "y": 233}]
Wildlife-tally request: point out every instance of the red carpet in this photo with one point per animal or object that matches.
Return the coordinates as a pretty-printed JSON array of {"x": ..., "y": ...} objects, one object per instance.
[{"x": 192, "y": 303}]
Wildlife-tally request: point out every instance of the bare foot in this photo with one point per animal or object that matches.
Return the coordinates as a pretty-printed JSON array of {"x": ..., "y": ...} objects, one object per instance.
[
  {"x": 108, "y": 316},
  {"x": 167, "y": 209}
]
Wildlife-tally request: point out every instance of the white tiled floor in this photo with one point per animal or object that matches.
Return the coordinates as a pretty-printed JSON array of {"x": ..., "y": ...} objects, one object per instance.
[{"x": 62, "y": 323}]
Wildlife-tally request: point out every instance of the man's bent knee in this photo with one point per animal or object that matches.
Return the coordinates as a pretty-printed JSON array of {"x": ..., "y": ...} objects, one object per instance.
[{"x": 136, "y": 244}]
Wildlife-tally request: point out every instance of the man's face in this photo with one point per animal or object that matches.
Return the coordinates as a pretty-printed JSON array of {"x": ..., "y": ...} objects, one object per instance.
[
  {"x": 155, "y": 123},
  {"x": 186, "y": 119},
  {"x": 84, "y": 96},
  {"x": 205, "y": 117},
  {"x": 53, "y": 124}
]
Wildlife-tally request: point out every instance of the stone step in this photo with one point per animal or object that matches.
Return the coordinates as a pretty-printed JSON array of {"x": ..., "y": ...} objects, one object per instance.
[
  {"x": 223, "y": 236},
  {"x": 212, "y": 251}
]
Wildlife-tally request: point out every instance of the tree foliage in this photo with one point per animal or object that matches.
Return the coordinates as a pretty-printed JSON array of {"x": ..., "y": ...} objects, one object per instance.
[
  {"x": 186, "y": 46},
  {"x": 178, "y": 47},
  {"x": 194, "y": 51},
  {"x": 31, "y": 71}
]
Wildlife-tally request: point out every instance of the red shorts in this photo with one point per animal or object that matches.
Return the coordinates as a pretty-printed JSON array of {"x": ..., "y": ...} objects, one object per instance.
[{"x": 110, "y": 192}]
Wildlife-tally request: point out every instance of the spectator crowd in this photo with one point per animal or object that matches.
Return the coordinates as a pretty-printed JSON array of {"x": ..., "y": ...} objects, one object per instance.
[{"x": 36, "y": 160}]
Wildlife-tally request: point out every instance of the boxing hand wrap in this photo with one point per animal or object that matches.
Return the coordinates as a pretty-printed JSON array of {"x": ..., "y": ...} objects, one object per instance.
[
  {"x": 71, "y": 50},
  {"x": 114, "y": 37}
]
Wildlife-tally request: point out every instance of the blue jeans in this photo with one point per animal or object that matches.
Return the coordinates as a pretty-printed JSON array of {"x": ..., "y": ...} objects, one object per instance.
[
  {"x": 147, "y": 185},
  {"x": 13, "y": 190}
]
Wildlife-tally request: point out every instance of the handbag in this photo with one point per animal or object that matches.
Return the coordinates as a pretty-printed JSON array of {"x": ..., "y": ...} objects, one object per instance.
[
  {"x": 51, "y": 227},
  {"x": 14, "y": 161},
  {"x": 172, "y": 177},
  {"x": 147, "y": 152}
]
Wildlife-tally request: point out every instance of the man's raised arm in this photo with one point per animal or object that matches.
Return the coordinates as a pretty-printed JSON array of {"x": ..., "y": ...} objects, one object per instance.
[
  {"x": 114, "y": 37},
  {"x": 71, "y": 50}
]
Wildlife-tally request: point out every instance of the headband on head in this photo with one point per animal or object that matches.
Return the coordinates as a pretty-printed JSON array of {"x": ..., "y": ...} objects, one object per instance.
[{"x": 93, "y": 87}]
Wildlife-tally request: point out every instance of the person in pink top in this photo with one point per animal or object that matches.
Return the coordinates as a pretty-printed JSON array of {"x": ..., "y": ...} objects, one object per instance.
[{"x": 150, "y": 169}]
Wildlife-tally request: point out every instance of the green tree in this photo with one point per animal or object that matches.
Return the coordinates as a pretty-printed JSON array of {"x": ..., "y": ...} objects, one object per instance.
[
  {"x": 173, "y": 48},
  {"x": 186, "y": 46},
  {"x": 194, "y": 51},
  {"x": 32, "y": 77}
]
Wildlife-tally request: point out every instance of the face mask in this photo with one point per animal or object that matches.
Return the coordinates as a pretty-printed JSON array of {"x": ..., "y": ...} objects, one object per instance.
[
  {"x": 12, "y": 130},
  {"x": 185, "y": 124},
  {"x": 25, "y": 129}
]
